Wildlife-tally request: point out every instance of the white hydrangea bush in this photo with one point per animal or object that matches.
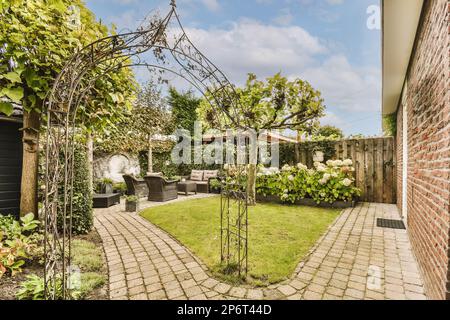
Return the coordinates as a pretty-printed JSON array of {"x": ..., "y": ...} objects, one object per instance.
[{"x": 326, "y": 182}]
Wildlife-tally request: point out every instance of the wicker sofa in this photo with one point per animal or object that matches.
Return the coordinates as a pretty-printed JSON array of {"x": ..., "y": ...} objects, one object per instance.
[
  {"x": 160, "y": 189},
  {"x": 135, "y": 187},
  {"x": 202, "y": 179}
]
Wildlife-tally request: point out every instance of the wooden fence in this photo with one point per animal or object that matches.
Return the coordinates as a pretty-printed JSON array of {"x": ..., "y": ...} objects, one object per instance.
[{"x": 374, "y": 161}]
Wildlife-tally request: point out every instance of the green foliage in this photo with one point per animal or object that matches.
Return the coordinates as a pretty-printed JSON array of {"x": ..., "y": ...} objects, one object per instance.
[
  {"x": 276, "y": 103},
  {"x": 390, "y": 125},
  {"x": 148, "y": 116},
  {"x": 107, "y": 181},
  {"x": 327, "y": 146},
  {"x": 215, "y": 184},
  {"x": 287, "y": 153},
  {"x": 326, "y": 183},
  {"x": 131, "y": 198},
  {"x": 37, "y": 38},
  {"x": 162, "y": 163},
  {"x": 19, "y": 242},
  {"x": 33, "y": 288},
  {"x": 120, "y": 187},
  {"x": 184, "y": 109},
  {"x": 82, "y": 215},
  {"x": 90, "y": 281},
  {"x": 86, "y": 255},
  {"x": 279, "y": 235},
  {"x": 328, "y": 132}
]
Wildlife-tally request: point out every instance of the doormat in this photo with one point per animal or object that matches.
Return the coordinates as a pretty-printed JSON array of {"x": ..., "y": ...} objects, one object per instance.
[{"x": 391, "y": 224}]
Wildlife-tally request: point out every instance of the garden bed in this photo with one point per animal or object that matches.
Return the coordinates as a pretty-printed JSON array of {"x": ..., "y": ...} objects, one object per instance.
[
  {"x": 88, "y": 255},
  {"x": 307, "y": 202}
]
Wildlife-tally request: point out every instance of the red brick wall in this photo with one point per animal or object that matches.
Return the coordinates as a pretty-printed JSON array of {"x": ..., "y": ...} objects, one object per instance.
[
  {"x": 429, "y": 148},
  {"x": 399, "y": 157}
]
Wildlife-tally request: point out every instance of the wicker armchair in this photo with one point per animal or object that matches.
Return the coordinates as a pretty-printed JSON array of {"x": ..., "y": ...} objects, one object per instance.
[
  {"x": 160, "y": 189},
  {"x": 135, "y": 187}
]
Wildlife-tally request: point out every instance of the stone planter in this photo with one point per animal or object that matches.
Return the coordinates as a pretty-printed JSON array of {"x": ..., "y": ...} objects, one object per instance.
[
  {"x": 307, "y": 202},
  {"x": 107, "y": 188},
  {"x": 131, "y": 206}
]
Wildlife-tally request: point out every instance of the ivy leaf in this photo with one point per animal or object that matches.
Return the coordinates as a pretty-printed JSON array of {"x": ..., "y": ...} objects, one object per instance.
[
  {"x": 13, "y": 77},
  {"x": 6, "y": 108},
  {"x": 15, "y": 94},
  {"x": 58, "y": 5}
]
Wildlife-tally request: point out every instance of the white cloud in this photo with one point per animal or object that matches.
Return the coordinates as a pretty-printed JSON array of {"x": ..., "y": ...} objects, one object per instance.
[
  {"x": 249, "y": 46},
  {"x": 345, "y": 86},
  {"x": 284, "y": 18},
  {"x": 332, "y": 119},
  {"x": 212, "y": 5},
  {"x": 265, "y": 49}
]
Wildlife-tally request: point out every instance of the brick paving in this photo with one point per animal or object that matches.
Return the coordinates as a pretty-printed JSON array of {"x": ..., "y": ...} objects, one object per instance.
[{"x": 355, "y": 259}]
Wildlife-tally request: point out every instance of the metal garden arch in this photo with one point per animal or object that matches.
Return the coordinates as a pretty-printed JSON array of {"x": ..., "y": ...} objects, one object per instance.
[{"x": 158, "y": 44}]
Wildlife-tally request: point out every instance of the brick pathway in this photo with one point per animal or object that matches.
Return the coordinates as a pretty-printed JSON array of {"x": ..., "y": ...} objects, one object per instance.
[{"x": 354, "y": 260}]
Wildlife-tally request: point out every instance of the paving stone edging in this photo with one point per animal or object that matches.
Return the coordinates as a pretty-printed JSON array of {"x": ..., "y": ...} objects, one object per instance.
[{"x": 145, "y": 262}]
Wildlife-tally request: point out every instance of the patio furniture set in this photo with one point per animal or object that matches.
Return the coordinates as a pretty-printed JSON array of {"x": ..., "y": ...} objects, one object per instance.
[{"x": 159, "y": 189}]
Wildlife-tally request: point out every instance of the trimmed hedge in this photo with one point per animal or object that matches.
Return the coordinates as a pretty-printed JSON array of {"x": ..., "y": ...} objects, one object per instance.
[
  {"x": 82, "y": 213},
  {"x": 162, "y": 163}
]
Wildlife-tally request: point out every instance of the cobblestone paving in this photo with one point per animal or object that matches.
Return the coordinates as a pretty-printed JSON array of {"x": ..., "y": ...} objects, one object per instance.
[{"x": 355, "y": 259}]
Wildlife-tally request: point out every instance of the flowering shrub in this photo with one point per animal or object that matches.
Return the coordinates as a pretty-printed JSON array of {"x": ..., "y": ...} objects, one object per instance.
[
  {"x": 328, "y": 182},
  {"x": 19, "y": 242}
]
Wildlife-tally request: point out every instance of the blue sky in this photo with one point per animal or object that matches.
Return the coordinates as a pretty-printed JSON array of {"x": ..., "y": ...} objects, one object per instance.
[{"x": 326, "y": 42}]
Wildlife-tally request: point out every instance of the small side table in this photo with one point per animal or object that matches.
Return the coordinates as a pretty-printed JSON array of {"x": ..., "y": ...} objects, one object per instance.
[
  {"x": 106, "y": 200},
  {"x": 187, "y": 187}
]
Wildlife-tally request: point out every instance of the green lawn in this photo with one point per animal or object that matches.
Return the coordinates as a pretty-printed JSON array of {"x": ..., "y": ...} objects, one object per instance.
[{"x": 279, "y": 235}]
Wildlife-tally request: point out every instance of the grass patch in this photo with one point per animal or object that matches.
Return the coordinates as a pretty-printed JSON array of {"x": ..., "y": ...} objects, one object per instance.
[
  {"x": 279, "y": 235},
  {"x": 87, "y": 256},
  {"x": 90, "y": 281}
]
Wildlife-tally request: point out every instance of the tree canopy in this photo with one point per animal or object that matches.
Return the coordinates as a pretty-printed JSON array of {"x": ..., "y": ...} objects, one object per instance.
[
  {"x": 328, "y": 132},
  {"x": 276, "y": 103},
  {"x": 37, "y": 37},
  {"x": 148, "y": 116}
]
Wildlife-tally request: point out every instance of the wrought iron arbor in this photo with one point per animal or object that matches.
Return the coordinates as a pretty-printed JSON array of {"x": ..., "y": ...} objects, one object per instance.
[
  {"x": 158, "y": 44},
  {"x": 234, "y": 228}
]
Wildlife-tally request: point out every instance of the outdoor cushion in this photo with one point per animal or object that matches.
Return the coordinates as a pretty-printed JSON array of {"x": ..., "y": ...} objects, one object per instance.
[
  {"x": 210, "y": 174},
  {"x": 155, "y": 174},
  {"x": 197, "y": 175}
]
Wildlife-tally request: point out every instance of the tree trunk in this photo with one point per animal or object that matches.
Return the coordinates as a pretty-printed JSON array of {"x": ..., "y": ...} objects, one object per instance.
[
  {"x": 29, "y": 187},
  {"x": 90, "y": 155},
  {"x": 251, "y": 176},
  {"x": 150, "y": 156},
  {"x": 251, "y": 185}
]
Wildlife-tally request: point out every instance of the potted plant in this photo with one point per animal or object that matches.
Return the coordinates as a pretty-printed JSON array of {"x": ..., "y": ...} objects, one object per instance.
[
  {"x": 106, "y": 186},
  {"x": 120, "y": 187},
  {"x": 131, "y": 204},
  {"x": 215, "y": 186}
]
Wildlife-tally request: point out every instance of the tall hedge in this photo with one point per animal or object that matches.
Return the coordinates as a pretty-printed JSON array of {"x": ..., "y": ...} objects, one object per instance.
[
  {"x": 162, "y": 162},
  {"x": 82, "y": 213}
]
